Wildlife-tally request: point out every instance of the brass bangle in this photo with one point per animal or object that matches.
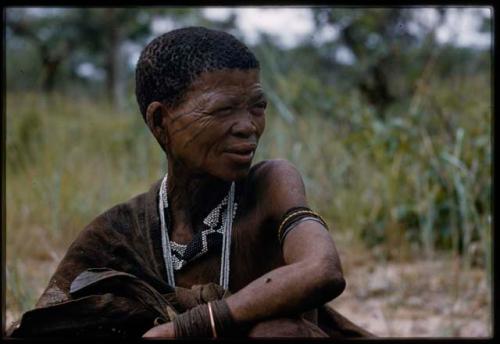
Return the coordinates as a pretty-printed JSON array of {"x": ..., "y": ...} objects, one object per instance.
[
  {"x": 294, "y": 214},
  {"x": 291, "y": 215},
  {"x": 212, "y": 322}
]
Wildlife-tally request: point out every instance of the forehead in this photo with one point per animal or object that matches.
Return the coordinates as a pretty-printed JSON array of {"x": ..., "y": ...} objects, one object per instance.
[{"x": 229, "y": 82}]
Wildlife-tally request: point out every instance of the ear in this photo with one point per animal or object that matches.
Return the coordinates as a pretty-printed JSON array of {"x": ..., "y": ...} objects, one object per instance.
[{"x": 154, "y": 119}]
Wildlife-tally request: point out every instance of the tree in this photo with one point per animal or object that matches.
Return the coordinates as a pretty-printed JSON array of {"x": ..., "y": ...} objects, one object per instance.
[
  {"x": 53, "y": 45},
  {"x": 103, "y": 31},
  {"x": 92, "y": 35},
  {"x": 384, "y": 49}
]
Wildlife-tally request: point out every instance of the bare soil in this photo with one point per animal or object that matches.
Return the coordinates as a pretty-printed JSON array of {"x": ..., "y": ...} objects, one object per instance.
[{"x": 424, "y": 298}]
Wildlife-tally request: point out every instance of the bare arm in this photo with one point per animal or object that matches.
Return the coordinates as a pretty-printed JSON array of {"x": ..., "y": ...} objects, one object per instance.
[{"x": 312, "y": 274}]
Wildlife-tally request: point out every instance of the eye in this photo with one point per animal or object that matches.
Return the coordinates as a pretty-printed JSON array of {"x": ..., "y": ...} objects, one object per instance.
[
  {"x": 226, "y": 110},
  {"x": 261, "y": 105}
]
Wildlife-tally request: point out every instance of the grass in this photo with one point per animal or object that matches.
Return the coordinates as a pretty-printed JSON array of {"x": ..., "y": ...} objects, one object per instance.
[{"x": 416, "y": 183}]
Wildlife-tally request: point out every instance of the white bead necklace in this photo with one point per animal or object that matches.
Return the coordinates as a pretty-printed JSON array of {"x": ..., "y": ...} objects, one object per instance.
[{"x": 209, "y": 221}]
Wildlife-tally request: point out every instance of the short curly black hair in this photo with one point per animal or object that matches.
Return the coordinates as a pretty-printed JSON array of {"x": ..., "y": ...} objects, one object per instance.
[{"x": 171, "y": 62}]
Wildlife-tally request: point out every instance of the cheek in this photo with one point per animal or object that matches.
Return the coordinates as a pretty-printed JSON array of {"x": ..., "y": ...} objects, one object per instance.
[
  {"x": 190, "y": 133},
  {"x": 260, "y": 124},
  {"x": 208, "y": 143}
]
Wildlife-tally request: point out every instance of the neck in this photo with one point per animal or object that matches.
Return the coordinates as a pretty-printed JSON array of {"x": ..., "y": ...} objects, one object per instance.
[{"x": 192, "y": 196}]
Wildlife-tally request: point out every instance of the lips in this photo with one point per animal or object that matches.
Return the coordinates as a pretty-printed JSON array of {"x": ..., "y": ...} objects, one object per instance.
[
  {"x": 241, "y": 153},
  {"x": 242, "y": 148}
]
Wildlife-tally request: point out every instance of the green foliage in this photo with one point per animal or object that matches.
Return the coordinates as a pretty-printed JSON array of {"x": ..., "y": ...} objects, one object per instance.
[
  {"x": 392, "y": 48},
  {"x": 419, "y": 180},
  {"x": 412, "y": 176},
  {"x": 424, "y": 173}
]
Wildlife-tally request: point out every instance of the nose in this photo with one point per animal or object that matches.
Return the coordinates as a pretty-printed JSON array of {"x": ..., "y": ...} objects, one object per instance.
[{"x": 244, "y": 127}]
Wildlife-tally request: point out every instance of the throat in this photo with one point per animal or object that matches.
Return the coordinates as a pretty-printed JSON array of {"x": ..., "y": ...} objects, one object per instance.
[
  {"x": 201, "y": 218},
  {"x": 190, "y": 202}
]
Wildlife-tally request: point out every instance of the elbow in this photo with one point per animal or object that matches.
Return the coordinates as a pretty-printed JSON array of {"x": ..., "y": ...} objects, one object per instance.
[
  {"x": 336, "y": 286},
  {"x": 331, "y": 279}
]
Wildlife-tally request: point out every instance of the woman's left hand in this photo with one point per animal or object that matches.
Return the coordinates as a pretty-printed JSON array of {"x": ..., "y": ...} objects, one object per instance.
[{"x": 161, "y": 331}]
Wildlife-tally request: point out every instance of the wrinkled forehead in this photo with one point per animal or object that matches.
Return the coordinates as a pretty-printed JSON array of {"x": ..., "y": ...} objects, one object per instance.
[{"x": 226, "y": 83}]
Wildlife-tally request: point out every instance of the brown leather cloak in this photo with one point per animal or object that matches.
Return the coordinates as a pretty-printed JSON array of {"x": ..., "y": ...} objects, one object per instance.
[{"x": 112, "y": 282}]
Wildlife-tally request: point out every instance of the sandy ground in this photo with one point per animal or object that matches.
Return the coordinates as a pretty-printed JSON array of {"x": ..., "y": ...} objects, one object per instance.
[
  {"x": 395, "y": 299},
  {"x": 416, "y": 299}
]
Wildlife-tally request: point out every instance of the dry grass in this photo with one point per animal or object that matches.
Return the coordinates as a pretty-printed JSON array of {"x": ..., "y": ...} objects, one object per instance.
[{"x": 67, "y": 161}]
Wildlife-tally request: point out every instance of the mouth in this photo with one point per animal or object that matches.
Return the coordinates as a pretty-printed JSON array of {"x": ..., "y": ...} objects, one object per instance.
[{"x": 242, "y": 153}]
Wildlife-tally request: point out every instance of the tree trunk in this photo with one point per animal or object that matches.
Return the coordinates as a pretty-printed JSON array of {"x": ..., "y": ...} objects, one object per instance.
[
  {"x": 50, "y": 68},
  {"x": 112, "y": 64}
]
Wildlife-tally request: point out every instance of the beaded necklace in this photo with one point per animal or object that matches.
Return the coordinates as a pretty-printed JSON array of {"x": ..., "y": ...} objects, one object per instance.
[{"x": 218, "y": 222}]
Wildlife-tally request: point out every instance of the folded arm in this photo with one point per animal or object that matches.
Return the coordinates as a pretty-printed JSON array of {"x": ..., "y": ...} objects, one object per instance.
[
  {"x": 312, "y": 274},
  {"x": 311, "y": 277}
]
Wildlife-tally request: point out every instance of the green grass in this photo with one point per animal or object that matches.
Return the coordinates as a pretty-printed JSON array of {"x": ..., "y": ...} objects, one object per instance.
[{"x": 413, "y": 184}]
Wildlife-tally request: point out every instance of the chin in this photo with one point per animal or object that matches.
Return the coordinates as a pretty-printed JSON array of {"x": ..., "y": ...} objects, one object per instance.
[
  {"x": 241, "y": 175},
  {"x": 235, "y": 174}
]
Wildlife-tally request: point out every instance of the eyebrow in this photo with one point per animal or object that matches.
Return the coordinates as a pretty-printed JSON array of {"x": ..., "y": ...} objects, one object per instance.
[{"x": 207, "y": 102}]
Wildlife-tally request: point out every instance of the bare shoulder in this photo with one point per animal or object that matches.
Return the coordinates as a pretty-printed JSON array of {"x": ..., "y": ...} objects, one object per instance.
[{"x": 278, "y": 187}]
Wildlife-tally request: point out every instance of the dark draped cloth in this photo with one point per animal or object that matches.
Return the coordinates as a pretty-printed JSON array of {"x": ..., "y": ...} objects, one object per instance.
[{"x": 112, "y": 282}]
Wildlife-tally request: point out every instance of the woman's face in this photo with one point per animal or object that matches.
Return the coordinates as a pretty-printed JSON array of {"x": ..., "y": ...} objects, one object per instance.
[{"x": 215, "y": 130}]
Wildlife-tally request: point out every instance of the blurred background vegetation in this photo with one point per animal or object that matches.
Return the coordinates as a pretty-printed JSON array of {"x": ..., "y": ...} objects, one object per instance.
[{"x": 389, "y": 126}]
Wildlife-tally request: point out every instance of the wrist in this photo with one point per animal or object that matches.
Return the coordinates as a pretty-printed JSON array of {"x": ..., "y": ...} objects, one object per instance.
[{"x": 207, "y": 320}]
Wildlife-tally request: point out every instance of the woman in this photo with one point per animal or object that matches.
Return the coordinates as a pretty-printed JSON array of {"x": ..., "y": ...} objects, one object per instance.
[{"x": 229, "y": 249}]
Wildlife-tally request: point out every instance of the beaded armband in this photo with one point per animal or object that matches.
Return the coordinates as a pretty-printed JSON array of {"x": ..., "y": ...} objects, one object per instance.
[{"x": 293, "y": 217}]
